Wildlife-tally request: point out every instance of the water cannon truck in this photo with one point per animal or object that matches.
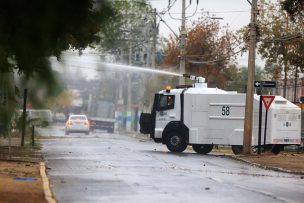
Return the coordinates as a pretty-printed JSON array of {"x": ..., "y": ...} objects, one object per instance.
[{"x": 203, "y": 117}]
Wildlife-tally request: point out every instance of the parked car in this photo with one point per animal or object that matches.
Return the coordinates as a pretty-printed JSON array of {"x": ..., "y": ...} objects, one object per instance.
[
  {"x": 38, "y": 117},
  {"x": 102, "y": 124},
  {"x": 77, "y": 123}
]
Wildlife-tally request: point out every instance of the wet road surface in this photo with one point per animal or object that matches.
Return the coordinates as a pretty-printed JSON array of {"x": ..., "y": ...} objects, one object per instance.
[{"x": 105, "y": 167}]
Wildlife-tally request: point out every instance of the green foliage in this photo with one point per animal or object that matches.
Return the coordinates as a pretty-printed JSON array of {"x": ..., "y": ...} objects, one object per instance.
[
  {"x": 237, "y": 78},
  {"x": 295, "y": 8},
  {"x": 130, "y": 26},
  {"x": 32, "y": 30},
  {"x": 7, "y": 101},
  {"x": 40, "y": 89},
  {"x": 280, "y": 41}
]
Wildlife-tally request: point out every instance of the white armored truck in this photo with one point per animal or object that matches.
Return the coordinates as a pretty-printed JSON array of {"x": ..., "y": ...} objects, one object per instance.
[{"x": 203, "y": 117}]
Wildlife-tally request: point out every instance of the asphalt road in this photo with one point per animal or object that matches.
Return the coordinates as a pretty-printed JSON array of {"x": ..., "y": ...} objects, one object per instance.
[{"x": 118, "y": 168}]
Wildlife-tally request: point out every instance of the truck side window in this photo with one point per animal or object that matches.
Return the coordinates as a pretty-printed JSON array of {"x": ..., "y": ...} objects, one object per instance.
[{"x": 166, "y": 102}]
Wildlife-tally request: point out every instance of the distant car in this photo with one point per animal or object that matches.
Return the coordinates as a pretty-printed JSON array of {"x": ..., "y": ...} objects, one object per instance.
[
  {"x": 60, "y": 117},
  {"x": 77, "y": 123}
]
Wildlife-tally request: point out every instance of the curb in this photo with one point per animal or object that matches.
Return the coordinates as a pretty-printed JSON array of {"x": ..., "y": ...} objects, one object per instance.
[
  {"x": 46, "y": 185},
  {"x": 267, "y": 167}
]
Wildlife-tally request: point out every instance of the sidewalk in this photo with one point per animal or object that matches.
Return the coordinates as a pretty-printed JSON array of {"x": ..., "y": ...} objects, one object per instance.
[
  {"x": 289, "y": 162},
  {"x": 20, "y": 173}
]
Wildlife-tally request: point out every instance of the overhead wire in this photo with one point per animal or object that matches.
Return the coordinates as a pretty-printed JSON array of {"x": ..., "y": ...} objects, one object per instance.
[
  {"x": 283, "y": 38},
  {"x": 236, "y": 11},
  {"x": 172, "y": 16},
  {"x": 168, "y": 7},
  {"x": 239, "y": 46},
  {"x": 217, "y": 60},
  {"x": 193, "y": 13},
  {"x": 177, "y": 37},
  {"x": 228, "y": 56}
]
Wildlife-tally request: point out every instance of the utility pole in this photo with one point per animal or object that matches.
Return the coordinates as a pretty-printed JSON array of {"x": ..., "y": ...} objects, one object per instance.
[
  {"x": 251, "y": 71},
  {"x": 154, "y": 26},
  {"x": 23, "y": 124},
  {"x": 120, "y": 101},
  {"x": 183, "y": 34},
  {"x": 129, "y": 102}
]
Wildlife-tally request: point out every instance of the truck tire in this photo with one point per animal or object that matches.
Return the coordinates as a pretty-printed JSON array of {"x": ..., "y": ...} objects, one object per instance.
[
  {"x": 276, "y": 149},
  {"x": 237, "y": 149},
  {"x": 176, "y": 142},
  {"x": 202, "y": 148}
]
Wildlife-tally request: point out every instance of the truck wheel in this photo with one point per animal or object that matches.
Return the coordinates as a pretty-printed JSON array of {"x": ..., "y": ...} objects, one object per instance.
[
  {"x": 202, "y": 148},
  {"x": 276, "y": 149},
  {"x": 176, "y": 142},
  {"x": 237, "y": 149}
]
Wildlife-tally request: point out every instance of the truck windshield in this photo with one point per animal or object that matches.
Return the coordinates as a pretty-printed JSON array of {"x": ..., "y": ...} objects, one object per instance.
[{"x": 166, "y": 102}]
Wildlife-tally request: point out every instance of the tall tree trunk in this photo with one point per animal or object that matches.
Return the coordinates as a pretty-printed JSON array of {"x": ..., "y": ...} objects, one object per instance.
[{"x": 295, "y": 86}]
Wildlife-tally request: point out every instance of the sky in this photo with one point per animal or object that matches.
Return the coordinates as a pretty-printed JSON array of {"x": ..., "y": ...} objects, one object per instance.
[{"x": 235, "y": 14}]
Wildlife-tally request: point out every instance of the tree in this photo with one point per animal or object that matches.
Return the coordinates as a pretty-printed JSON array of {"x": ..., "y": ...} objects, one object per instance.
[
  {"x": 295, "y": 8},
  {"x": 130, "y": 30},
  {"x": 280, "y": 43},
  {"x": 209, "y": 50},
  {"x": 32, "y": 30},
  {"x": 7, "y": 102},
  {"x": 171, "y": 53},
  {"x": 237, "y": 78},
  {"x": 43, "y": 89},
  {"x": 61, "y": 101}
]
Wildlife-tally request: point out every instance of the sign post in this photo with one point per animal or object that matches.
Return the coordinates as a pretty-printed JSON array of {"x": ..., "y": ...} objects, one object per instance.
[
  {"x": 260, "y": 85},
  {"x": 260, "y": 122},
  {"x": 267, "y": 100}
]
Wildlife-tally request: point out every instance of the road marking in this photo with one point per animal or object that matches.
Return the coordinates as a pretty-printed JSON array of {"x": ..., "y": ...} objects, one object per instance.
[{"x": 46, "y": 185}]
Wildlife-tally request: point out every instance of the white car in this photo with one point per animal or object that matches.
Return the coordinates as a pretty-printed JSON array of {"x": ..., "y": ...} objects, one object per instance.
[{"x": 77, "y": 123}]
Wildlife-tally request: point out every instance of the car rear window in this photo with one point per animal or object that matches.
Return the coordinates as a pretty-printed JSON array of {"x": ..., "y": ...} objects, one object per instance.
[{"x": 78, "y": 118}]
